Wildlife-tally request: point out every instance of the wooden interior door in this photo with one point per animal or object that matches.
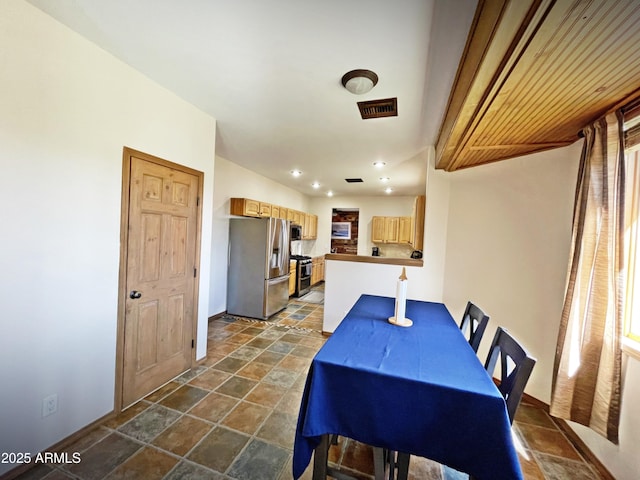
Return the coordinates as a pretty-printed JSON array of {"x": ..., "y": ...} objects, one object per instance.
[{"x": 160, "y": 268}]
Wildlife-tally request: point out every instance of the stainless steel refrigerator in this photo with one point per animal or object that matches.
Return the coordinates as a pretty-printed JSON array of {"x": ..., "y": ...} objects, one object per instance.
[{"x": 258, "y": 267}]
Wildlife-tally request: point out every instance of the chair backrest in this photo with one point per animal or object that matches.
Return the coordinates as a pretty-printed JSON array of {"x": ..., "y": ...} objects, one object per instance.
[
  {"x": 475, "y": 321},
  {"x": 515, "y": 368}
]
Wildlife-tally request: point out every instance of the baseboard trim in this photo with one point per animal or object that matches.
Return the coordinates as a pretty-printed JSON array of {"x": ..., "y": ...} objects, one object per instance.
[
  {"x": 217, "y": 315},
  {"x": 534, "y": 402},
  {"x": 59, "y": 446}
]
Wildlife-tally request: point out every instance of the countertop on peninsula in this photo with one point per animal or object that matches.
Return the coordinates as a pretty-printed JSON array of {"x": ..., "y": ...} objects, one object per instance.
[{"x": 344, "y": 257}]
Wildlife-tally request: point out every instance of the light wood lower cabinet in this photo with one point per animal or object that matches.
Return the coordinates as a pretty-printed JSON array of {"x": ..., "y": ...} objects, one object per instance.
[
  {"x": 292, "y": 277},
  {"x": 317, "y": 271}
]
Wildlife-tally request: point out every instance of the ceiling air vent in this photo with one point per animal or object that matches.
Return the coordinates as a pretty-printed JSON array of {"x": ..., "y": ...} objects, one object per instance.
[
  {"x": 353, "y": 180},
  {"x": 387, "y": 107}
]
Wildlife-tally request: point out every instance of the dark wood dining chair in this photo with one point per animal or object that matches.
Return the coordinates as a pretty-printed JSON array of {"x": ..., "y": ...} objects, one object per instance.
[
  {"x": 474, "y": 321},
  {"x": 515, "y": 368}
]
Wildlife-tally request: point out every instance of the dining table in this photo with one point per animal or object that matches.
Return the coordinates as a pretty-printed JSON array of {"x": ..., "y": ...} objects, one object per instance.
[{"x": 420, "y": 390}]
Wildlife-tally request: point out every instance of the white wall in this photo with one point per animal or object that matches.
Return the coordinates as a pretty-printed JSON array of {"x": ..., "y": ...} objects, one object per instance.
[
  {"x": 347, "y": 281},
  {"x": 436, "y": 220},
  {"x": 507, "y": 248},
  {"x": 231, "y": 181},
  {"x": 67, "y": 110}
]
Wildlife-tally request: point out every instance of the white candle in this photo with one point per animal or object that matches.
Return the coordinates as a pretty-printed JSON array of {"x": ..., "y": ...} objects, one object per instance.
[{"x": 401, "y": 297}]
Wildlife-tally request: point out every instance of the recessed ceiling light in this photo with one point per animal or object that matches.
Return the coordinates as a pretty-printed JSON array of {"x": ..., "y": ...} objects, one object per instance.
[
  {"x": 379, "y": 164},
  {"x": 315, "y": 185},
  {"x": 329, "y": 193},
  {"x": 384, "y": 179},
  {"x": 296, "y": 173},
  {"x": 388, "y": 190}
]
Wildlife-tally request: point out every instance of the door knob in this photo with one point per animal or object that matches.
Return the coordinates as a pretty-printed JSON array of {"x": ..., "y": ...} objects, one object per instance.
[{"x": 135, "y": 294}]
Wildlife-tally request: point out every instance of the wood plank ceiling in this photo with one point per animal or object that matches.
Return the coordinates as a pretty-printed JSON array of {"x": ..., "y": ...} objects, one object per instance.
[{"x": 534, "y": 73}]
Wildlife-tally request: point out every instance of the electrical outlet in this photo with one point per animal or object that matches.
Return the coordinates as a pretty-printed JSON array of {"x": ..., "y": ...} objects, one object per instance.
[{"x": 49, "y": 405}]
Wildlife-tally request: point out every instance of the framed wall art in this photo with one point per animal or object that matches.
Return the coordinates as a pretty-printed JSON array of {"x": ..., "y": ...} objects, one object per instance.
[{"x": 341, "y": 231}]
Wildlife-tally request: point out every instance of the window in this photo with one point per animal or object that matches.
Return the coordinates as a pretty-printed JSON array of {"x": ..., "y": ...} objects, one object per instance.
[{"x": 632, "y": 235}]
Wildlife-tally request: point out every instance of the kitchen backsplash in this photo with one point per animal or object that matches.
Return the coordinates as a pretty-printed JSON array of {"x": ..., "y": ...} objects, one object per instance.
[
  {"x": 296, "y": 247},
  {"x": 395, "y": 250}
]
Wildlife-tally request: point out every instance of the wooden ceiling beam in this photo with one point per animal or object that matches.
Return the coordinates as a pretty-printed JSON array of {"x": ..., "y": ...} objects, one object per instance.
[
  {"x": 534, "y": 73},
  {"x": 489, "y": 45},
  {"x": 504, "y": 146}
]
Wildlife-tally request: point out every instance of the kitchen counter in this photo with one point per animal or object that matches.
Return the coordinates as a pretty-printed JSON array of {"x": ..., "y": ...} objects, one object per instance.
[{"x": 343, "y": 257}]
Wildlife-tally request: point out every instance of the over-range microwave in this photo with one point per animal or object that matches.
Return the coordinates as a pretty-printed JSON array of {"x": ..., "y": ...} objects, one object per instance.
[{"x": 296, "y": 232}]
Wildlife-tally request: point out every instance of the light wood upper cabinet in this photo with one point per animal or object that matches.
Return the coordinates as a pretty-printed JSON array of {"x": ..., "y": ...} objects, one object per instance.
[
  {"x": 305, "y": 226},
  {"x": 385, "y": 229},
  {"x": 417, "y": 218},
  {"x": 265, "y": 209},
  {"x": 309, "y": 226},
  {"x": 405, "y": 232},
  {"x": 391, "y": 230},
  {"x": 245, "y": 207},
  {"x": 295, "y": 216},
  {"x": 377, "y": 230},
  {"x": 313, "y": 228}
]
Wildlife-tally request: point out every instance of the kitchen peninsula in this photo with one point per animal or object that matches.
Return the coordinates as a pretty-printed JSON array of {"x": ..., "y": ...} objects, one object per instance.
[
  {"x": 349, "y": 276},
  {"x": 343, "y": 257}
]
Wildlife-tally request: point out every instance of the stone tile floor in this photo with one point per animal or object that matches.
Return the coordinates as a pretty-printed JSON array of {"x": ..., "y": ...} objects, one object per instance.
[{"x": 234, "y": 417}]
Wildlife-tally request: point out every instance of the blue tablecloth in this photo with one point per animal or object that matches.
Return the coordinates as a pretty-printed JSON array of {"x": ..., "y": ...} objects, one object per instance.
[{"x": 420, "y": 390}]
